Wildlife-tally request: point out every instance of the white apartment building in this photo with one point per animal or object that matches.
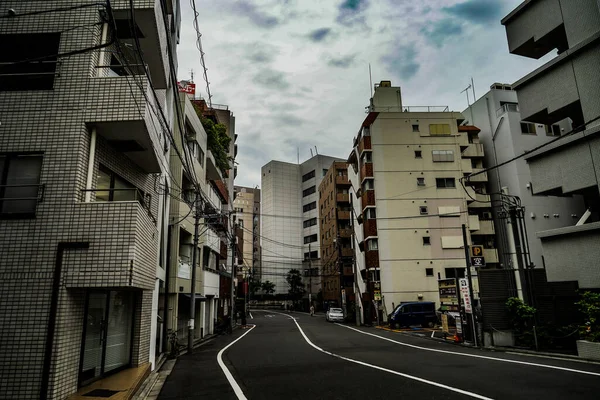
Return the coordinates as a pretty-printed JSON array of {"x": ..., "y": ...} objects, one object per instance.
[{"x": 289, "y": 220}]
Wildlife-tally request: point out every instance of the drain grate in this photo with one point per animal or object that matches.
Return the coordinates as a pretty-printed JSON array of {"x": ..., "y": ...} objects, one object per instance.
[{"x": 105, "y": 393}]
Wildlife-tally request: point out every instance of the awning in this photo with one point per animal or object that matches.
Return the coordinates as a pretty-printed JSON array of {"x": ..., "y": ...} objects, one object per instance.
[{"x": 198, "y": 296}]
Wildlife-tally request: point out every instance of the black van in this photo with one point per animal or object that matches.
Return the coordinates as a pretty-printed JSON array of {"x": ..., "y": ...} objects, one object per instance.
[{"x": 409, "y": 314}]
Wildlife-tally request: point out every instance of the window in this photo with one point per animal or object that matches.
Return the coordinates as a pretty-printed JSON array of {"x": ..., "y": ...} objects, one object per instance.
[
  {"x": 241, "y": 223},
  {"x": 420, "y": 181},
  {"x": 370, "y": 213},
  {"x": 373, "y": 244},
  {"x": 19, "y": 184},
  {"x": 418, "y": 154},
  {"x": 324, "y": 172},
  {"x": 428, "y": 271},
  {"x": 309, "y": 206},
  {"x": 112, "y": 187},
  {"x": 116, "y": 67},
  {"x": 442, "y": 156},
  {"x": 415, "y": 128},
  {"x": 439, "y": 129},
  {"x": 310, "y": 222},
  {"x": 552, "y": 130},
  {"x": 309, "y": 191},
  {"x": 310, "y": 239},
  {"x": 426, "y": 240},
  {"x": 367, "y": 157},
  {"x": 527, "y": 128},
  {"x": 445, "y": 183},
  {"x": 308, "y": 176},
  {"x": 423, "y": 210},
  {"x": 369, "y": 184},
  {"x": 312, "y": 255},
  {"x": 34, "y": 75},
  {"x": 196, "y": 151}
]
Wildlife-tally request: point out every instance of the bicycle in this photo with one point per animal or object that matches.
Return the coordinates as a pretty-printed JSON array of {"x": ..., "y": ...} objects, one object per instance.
[{"x": 174, "y": 346}]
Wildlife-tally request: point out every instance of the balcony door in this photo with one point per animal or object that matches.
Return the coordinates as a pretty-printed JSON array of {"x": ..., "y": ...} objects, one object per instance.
[{"x": 108, "y": 326}]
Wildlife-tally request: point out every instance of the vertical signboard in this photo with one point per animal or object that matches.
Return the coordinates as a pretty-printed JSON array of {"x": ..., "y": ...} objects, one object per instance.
[
  {"x": 465, "y": 296},
  {"x": 448, "y": 295}
]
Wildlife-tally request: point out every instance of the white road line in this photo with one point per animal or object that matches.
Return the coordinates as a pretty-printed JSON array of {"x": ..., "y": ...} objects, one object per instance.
[
  {"x": 234, "y": 385},
  {"x": 251, "y": 317},
  {"x": 473, "y": 355},
  {"x": 425, "y": 381}
]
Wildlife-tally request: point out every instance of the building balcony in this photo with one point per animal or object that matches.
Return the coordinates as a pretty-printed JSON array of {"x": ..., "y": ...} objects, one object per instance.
[
  {"x": 122, "y": 113},
  {"x": 473, "y": 150},
  {"x": 482, "y": 177},
  {"x": 535, "y": 28},
  {"x": 343, "y": 215},
  {"x": 213, "y": 172},
  {"x": 491, "y": 256},
  {"x": 342, "y": 180},
  {"x": 345, "y": 233},
  {"x": 347, "y": 252},
  {"x": 123, "y": 246},
  {"x": 566, "y": 167},
  {"x": 342, "y": 198},
  {"x": 465, "y": 165},
  {"x": 372, "y": 259},
  {"x": 366, "y": 171},
  {"x": 151, "y": 33},
  {"x": 370, "y": 227},
  {"x": 572, "y": 253},
  {"x": 364, "y": 144},
  {"x": 368, "y": 198},
  {"x": 473, "y": 223},
  {"x": 485, "y": 228},
  {"x": 481, "y": 200}
]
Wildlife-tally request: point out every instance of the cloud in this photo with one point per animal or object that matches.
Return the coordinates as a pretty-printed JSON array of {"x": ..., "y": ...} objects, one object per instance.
[
  {"x": 261, "y": 53},
  {"x": 256, "y": 16},
  {"x": 342, "y": 62},
  {"x": 401, "y": 60},
  {"x": 271, "y": 79},
  {"x": 350, "y": 12},
  {"x": 477, "y": 11},
  {"x": 288, "y": 119},
  {"x": 441, "y": 31},
  {"x": 319, "y": 35}
]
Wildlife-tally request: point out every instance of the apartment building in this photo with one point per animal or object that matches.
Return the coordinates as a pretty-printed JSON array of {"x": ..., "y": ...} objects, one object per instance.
[
  {"x": 337, "y": 274},
  {"x": 566, "y": 87},
  {"x": 84, "y": 148},
  {"x": 289, "y": 221},
  {"x": 410, "y": 162},
  {"x": 247, "y": 210},
  {"x": 504, "y": 135}
]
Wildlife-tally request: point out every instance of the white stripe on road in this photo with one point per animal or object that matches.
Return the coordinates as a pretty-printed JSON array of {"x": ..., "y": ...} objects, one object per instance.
[
  {"x": 234, "y": 385},
  {"x": 251, "y": 317},
  {"x": 428, "y": 382},
  {"x": 473, "y": 355}
]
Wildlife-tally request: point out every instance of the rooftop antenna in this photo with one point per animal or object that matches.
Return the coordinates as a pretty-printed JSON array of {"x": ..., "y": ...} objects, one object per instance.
[
  {"x": 466, "y": 90},
  {"x": 192, "y": 75},
  {"x": 316, "y": 151},
  {"x": 370, "y": 80},
  {"x": 311, "y": 154},
  {"x": 473, "y": 87},
  {"x": 298, "y": 154}
]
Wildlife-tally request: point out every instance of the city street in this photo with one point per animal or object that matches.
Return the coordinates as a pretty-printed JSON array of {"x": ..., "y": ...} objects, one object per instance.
[{"x": 298, "y": 357}]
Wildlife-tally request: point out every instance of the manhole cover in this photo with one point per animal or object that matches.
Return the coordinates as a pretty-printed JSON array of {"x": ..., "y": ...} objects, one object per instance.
[{"x": 106, "y": 393}]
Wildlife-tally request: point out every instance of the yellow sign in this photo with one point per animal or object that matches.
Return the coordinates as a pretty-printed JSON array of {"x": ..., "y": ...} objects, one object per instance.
[
  {"x": 377, "y": 295},
  {"x": 476, "y": 251},
  {"x": 445, "y": 323}
]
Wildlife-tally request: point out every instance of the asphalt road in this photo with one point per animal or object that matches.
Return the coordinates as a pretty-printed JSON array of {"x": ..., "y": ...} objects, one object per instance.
[{"x": 309, "y": 358}]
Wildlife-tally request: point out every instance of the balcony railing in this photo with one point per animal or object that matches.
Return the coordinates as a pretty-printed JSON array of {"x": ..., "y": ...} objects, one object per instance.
[
  {"x": 507, "y": 108},
  {"x": 118, "y": 195},
  {"x": 408, "y": 109},
  {"x": 342, "y": 198}
]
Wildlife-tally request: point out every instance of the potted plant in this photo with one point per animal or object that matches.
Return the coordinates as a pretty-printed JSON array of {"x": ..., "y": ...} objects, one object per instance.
[{"x": 589, "y": 347}]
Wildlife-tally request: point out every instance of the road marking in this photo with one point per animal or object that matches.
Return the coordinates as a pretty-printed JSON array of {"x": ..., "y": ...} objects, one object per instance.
[
  {"x": 251, "y": 317},
  {"x": 428, "y": 382},
  {"x": 474, "y": 355},
  {"x": 234, "y": 385}
]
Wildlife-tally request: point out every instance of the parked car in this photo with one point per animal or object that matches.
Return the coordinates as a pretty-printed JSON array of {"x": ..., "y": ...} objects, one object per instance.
[
  {"x": 334, "y": 314},
  {"x": 410, "y": 314}
]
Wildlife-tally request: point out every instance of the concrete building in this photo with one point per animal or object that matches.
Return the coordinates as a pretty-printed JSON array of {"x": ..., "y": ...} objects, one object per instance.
[
  {"x": 289, "y": 227},
  {"x": 247, "y": 209},
  {"x": 337, "y": 274},
  {"x": 504, "y": 135},
  {"x": 566, "y": 87},
  {"x": 84, "y": 147},
  {"x": 409, "y": 162}
]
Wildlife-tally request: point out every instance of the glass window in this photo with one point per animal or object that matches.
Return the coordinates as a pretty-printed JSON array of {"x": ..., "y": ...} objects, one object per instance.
[
  {"x": 310, "y": 222},
  {"x": 369, "y": 184},
  {"x": 309, "y": 175},
  {"x": 428, "y": 271},
  {"x": 527, "y": 128},
  {"x": 442, "y": 156},
  {"x": 370, "y": 213},
  {"x": 420, "y": 181},
  {"x": 19, "y": 183},
  {"x": 426, "y": 240},
  {"x": 439, "y": 129},
  {"x": 367, "y": 157},
  {"x": 445, "y": 183},
  {"x": 418, "y": 154},
  {"x": 415, "y": 128},
  {"x": 324, "y": 172},
  {"x": 112, "y": 187},
  {"x": 309, "y": 191},
  {"x": 310, "y": 239},
  {"x": 552, "y": 130},
  {"x": 373, "y": 244},
  {"x": 423, "y": 210}
]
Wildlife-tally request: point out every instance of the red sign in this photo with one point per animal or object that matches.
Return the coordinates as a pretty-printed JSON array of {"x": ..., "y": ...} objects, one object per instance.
[{"x": 187, "y": 87}]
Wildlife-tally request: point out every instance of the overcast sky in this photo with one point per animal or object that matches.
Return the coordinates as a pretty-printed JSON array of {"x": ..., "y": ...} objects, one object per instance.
[{"x": 295, "y": 72}]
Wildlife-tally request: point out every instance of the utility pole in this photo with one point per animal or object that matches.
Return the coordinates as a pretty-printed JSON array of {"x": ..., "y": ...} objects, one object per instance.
[
  {"x": 233, "y": 239},
  {"x": 357, "y": 309},
  {"x": 309, "y": 277},
  {"x": 191, "y": 321},
  {"x": 468, "y": 261},
  {"x": 340, "y": 266}
]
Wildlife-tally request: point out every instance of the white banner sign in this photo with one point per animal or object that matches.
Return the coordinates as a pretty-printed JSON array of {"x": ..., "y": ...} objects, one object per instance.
[{"x": 464, "y": 294}]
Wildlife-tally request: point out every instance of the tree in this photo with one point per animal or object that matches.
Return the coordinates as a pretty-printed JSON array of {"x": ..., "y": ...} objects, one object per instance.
[
  {"x": 589, "y": 305},
  {"x": 218, "y": 140},
  {"x": 268, "y": 287},
  {"x": 294, "y": 280},
  {"x": 255, "y": 285}
]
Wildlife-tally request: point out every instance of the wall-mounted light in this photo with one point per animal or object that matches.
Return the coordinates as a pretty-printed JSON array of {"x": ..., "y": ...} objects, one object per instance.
[{"x": 532, "y": 215}]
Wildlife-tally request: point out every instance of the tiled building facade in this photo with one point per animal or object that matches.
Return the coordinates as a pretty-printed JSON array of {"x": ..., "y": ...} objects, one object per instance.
[{"x": 83, "y": 156}]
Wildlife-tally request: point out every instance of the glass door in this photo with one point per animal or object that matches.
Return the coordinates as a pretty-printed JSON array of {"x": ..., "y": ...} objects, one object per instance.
[
  {"x": 118, "y": 331},
  {"x": 93, "y": 341}
]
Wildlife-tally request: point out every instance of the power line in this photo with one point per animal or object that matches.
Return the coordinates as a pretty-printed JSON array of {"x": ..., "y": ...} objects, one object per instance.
[{"x": 199, "y": 46}]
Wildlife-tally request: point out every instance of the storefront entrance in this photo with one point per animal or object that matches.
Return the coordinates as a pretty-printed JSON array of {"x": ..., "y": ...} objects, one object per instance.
[{"x": 107, "y": 334}]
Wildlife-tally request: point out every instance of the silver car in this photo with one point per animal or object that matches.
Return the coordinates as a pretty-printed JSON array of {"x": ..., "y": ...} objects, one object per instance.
[{"x": 335, "y": 314}]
